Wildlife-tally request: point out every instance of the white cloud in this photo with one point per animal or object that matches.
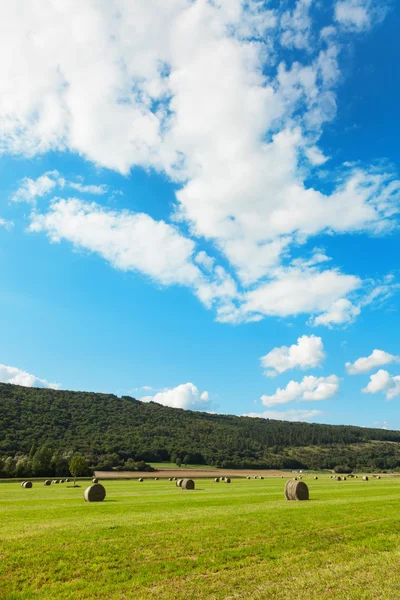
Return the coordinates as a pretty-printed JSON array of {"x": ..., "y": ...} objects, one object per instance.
[
  {"x": 97, "y": 190},
  {"x": 287, "y": 415},
  {"x": 185, "y": 396},
  {"x": 18, "y": 377},
  {"x": 306, "y": 354},
  {"x": 310, "y": 388},
  {"x": 382, "y": 381},
  {"x": 296, "y": 25},
  {"x": 6, "y": 224},
  {"x": 199, "y": 91},
  {"x": 129, "y": 241},
  {"x": 377, "y": 358},
  {"x": 30, "y": 189},
  {"x": 342, "y": 312},
  {"x": 360, "y": 15}
]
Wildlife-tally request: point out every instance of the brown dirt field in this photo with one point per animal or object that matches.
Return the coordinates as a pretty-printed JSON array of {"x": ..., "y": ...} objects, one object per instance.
[{"x": 182, "y": 472}]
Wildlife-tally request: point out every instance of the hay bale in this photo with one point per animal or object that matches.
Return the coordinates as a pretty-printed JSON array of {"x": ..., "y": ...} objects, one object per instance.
[
  {"x": 66, "y": 480},
  {"x": 55, "y": 480},
  {"x": 378, "y": 477},
  {"x": 296, "y": 490},
  {"x": 60, "y": 481},
  {"x": 47, "y": 482},
  {"x": 174, "y": 479},
  {"x": 344, "y": 478},
  {"x": 187, "y": 484},
  {"x": 169, "y": 478},
  {"x": 22, "y": 483},
  {"x": 140, "y": 479},
  {"x": 179, "y": 482},
  {"x": 155, "y": 478},
  {"x": 95, "y": 493},
  {"x": 365, "y": 478},
  {"x": 248, "y": 477},
  {"x": 227, "y": 479},
  {"x": 216, "y": 479},
  {"x": 95, "y": 480},
  {"x": 315, "y": 477},
  {"x": 294, "y": 479},
  {"x": 27, "y": 484},
  {"x": 338, "y": 478},
  {"x": 261, "y": 477}
]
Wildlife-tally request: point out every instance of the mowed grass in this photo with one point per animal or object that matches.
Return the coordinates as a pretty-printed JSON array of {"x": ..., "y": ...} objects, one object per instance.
[{"x": 152, "y": 540}]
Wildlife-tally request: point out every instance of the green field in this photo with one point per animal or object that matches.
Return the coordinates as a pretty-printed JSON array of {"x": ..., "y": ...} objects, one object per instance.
[{"x": 243, "y": 540}]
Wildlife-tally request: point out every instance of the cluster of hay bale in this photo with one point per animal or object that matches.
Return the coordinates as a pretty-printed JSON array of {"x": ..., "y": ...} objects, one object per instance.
[
  {"x": 26, "y": 484},
  {"x": 296, "y": 490},
  {"x": 95, "y": 493}
]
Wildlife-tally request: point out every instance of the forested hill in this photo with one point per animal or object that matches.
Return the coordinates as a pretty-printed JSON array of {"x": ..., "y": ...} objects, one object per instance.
[{"x": 109, "y": 431}]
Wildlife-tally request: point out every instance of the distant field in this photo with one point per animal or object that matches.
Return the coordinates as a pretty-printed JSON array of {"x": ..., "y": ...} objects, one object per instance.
[
  {"x": 171, "y": 465},
  {"x": 242, "y": 540}
]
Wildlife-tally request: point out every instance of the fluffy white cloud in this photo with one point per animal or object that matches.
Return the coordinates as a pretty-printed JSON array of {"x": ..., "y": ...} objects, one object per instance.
[
  {"x": 136, "y": 242},
  {"x": 310, "y": 388},
  {"x": 376, "y": 359},
  {"x": 185, "y": 396},
  {"x": 306, "y": 354},
  {"x": 360, "y": 15},
  {"x": 30, "y": 189},
  {"x": 287, "y": 415},
  {"x": 382, "y": 381},
  {"x": 342, "y": 312},
  {"x": 211, "y": 104},
  {"x": 18, "y": 377}
]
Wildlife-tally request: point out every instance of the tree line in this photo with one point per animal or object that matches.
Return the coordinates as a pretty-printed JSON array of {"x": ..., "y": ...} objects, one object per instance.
[{"x": 41, "y": 427}]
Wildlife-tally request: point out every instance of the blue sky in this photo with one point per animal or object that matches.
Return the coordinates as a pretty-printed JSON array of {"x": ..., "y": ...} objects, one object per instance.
[{"x": 199, "y": 204}]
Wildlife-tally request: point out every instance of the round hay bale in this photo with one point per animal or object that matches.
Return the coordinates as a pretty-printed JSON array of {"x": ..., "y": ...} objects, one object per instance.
[
  {"x": 315, "y": 477},
  {"x": 296, "y": 490},
  {"x": 261, "y": 477},
  {"x": 27, "y": 484},
  {"x": 55, "y": 480},
  {"x": 179, "y": 482},
  {"x": 95, "y": 480},
  {"x": 344, "y": 478},
  {"x": 365, "y": 478},
  {"x": 216, "y": 479},
  {"x": 187, "y": 484},
  {"x": 95, "y": 493},
  {"x": 47, "y": 482},
  {"x": 22, "y": 483},
  {"x": 378, "y": 477},
  {"x": 66, "y": 480},
  {"x": 227, "y": 479},
  {"x": 169, "y": 478},
  {"x": 155, "y": 478},
  {"x": 338, "y": 478},
  {"x": 174, "y": 479},
  {"x": 140, "y": 479},
  {"x": 248, "y": 477},
  {"x": 294, "y": 478}
]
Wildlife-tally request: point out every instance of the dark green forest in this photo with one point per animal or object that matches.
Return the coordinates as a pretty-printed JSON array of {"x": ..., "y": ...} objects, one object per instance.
[{"x": 41, "y": 429}]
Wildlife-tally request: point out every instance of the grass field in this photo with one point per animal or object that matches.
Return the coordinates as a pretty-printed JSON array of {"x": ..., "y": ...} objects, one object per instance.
[{"x": 152, "y": 540}]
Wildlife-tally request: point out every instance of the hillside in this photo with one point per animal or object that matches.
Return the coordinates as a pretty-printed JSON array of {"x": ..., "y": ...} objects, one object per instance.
[{"x": 112, "y": 431}]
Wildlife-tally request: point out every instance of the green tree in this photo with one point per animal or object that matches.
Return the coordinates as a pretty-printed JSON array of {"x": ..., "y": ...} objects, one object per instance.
[
  {"x": 178, "y": 462},
  {"x": 186, "y": 459},
  {"x": 78, "y": 466}
]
